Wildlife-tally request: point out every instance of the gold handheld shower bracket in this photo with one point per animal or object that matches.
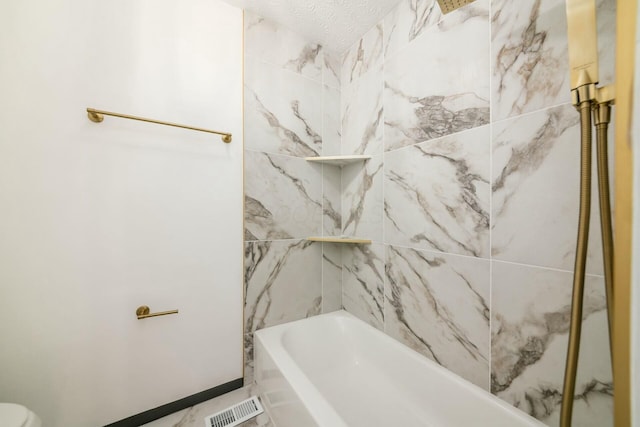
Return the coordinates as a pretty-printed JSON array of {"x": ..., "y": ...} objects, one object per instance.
[
  {"x": 583, "y": 93},
  {"x": 583, "y": 42}
]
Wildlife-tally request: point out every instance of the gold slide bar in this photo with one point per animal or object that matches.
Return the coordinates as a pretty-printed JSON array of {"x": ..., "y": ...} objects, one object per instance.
[{"x": 97, "y": 116}]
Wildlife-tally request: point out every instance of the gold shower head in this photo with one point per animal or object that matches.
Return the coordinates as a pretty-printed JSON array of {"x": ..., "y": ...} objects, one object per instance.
[{"x": 450, "y": 5}]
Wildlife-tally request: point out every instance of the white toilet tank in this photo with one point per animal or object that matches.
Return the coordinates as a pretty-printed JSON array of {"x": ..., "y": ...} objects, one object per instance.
[{"x": 13, "y": 415}]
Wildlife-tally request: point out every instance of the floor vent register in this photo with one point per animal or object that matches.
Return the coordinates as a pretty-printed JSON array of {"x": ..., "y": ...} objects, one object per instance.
[{"x": 236, "y": 414}]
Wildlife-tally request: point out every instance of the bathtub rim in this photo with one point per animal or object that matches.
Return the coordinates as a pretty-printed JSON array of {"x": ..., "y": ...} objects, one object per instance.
[{"x": 321, "y": 410}]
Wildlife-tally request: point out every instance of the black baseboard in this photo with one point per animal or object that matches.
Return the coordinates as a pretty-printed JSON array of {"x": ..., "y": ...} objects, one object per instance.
[{"x": 178, "y": 405}]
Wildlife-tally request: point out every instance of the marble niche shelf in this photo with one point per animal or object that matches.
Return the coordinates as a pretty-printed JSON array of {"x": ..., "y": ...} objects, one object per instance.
[
  {"x": 338, "y": 160},
  {"x": 339, "y": 239}
]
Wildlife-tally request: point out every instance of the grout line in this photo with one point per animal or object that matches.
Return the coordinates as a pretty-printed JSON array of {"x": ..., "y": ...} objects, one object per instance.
[
  {"x": 322, "y": 293},
  {"x": 460, "y": 133},
  {"x": 435, "y": 251},
  {"x": 490, "y": 197},
  {"x": 279, "y": 154},
  {"x": 541, "y": 267},
  {"x": 529, "y": 113},
  {"x": 323, "y": 112},
  {"x": 341, "y": 151},
  {"x": 382, "y": 180}
]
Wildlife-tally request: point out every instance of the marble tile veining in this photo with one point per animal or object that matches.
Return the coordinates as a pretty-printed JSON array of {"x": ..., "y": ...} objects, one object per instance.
[
  {"x": 283, "y": 282},
  {"x": 437, "y": 194},
  {"x": 530, "y": 54},
  {"x": 331, "y": 277},
  {"x": 364, "y": 55},
  {"x": 283, "y": 111},
  {"x": 362, "y": 199},
  {"x": 331, "y": 123},
  {"x": 530, "y": 57},
  {"x": 268, "y": 42},
  {"x": 248, "y": 358},
  {"x": 439, "y": 84},
  {"x": 283, "y": 197},
  {"x": 292, "y": 107},
  {"x": 406, "y": 22},
  {"x": 450, "y": 200},
  {"x": 331, "y": 69},
  {"x": 530, "y": 323},
  {"x": 363, "y": 282},
  {"x": 470, "y": 11},
  {"x": 362, "y": 115},
  {"x": 332, "y": 201},
  {"x": 536, "y": 161},
  {"x": 439, "y": 305}
]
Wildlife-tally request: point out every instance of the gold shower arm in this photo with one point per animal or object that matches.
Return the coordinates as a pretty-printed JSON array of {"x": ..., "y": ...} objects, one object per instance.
[{"x": 97, "y": 116}]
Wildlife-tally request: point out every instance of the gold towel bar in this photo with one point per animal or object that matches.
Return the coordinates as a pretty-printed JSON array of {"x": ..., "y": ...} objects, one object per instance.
[
  {"x": 143, "y": 312},
  {"x": 98, "y": 115}
]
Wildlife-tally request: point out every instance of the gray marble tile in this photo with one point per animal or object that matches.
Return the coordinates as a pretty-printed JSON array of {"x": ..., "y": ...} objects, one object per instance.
[
  {"x": 331, "y": 123},
  {"x": 331, "y": 277},
  {"x": 437, "y": 194},
  {"x": 362, "y": 200},
  {"x": 268, "y": 42},
  {"x": 529, "y": 56},
  {"x": 535, "y": 191},
  {"x": 439, "y": 84},
  {"x": 248, "y": 358},
  {"x": 363, "y": 282},
  {"x": 283, "y": 197},
  {"x": 332, "y": 201},
  {"x": 530, "y": 322},
  {"x": 438, "y": 305},
  {"x": 362, "y": 115},
  {"x": 283, "y": 282},
  {"x": 331, "y": 69},
  {"x": 194, "y": 416},
  {"x": 364, "y": 55},
  {"x": 406, "y": 22},
  {"x": 282, "y": 111}
]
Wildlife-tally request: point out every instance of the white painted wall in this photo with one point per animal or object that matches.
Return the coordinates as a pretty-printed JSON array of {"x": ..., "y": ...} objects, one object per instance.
[{"x": 97, "y": 219}]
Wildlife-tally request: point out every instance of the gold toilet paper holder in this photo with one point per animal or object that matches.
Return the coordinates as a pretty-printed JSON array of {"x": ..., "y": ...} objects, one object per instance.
[{"x": 144, "y": 312}]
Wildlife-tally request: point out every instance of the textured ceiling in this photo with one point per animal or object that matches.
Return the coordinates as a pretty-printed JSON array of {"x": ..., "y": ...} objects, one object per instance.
[{"x": 336, "y": 24}]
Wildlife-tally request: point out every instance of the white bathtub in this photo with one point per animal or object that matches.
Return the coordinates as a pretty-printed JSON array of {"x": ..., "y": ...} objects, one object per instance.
[{"x": 334, "y": 370}]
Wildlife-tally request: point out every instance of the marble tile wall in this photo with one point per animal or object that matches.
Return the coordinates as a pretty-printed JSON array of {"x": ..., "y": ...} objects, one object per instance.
[
  {"x": 292, "y": 111},
  {"x": 363, "y": 282},
  {"x": 438, "y": 304},
  {"x": 471, "y": 197},
  {"x": 529, "y": 329}
]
